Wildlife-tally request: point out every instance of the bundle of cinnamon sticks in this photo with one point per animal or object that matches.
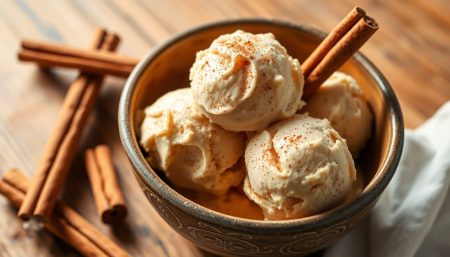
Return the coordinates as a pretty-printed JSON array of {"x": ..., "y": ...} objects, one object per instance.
[
  {"x": 64, "y": 222},
  {"x": 38, "y": 200},
  {"x": 62, "y": 145}
]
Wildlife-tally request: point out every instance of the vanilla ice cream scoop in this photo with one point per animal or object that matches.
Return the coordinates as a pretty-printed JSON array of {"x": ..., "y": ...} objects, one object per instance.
[
  {"x": 298, "y": 167},
  {"x": 192, "y": 152},
  {"x": 244, "y": 81},
  {"x": 341, "y": 100}
]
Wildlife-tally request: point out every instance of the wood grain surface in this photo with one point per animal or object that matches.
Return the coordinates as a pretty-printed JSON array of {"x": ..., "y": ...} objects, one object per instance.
[{"x": 411, "y": 48}]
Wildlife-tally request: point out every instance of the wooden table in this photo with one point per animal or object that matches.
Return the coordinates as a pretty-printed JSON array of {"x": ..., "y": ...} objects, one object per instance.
[{"x": 411, "y": 48}]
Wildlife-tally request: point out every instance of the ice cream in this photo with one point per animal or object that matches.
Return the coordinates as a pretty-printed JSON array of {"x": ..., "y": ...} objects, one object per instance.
[
  {"x": 192, "y": 152},
  {"x": 298, "y": 167},
  {"x": 244, "y": 81},
  {"x": 341, "y": 100}
]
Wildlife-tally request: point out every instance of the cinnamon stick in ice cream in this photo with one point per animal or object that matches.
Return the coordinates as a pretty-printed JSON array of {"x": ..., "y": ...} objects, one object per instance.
[{"x": 342, "y": 42}]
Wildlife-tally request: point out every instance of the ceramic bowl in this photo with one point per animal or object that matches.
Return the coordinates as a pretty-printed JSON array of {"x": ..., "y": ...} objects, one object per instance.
[{"x": 166, "y": 68}]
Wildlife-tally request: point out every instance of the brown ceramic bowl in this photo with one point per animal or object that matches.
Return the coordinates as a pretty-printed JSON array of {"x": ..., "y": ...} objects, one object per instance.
[{"x": 166, "y": 68}]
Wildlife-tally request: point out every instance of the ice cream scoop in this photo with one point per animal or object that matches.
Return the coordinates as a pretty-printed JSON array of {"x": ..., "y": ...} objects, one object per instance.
[
  {"x": 341, "y": 100},
  {"x": 298, "y": 167},
  {"x": 244, "y": 81},
  {"x": 192, "y": 152}
]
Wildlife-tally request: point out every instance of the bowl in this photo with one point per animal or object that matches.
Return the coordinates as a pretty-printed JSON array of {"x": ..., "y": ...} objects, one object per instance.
[{"x": 166, "y": 68}]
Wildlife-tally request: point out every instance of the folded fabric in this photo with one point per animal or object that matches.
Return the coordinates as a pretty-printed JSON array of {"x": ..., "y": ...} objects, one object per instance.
[{"x": 412, "y": 217}]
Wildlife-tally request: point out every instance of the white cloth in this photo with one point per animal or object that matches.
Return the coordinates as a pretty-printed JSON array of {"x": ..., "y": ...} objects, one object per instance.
[{"x": 412, "y": 217}]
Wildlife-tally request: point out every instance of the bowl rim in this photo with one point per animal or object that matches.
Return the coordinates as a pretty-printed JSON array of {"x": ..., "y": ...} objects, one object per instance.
[{"x": 371, "y": 192}]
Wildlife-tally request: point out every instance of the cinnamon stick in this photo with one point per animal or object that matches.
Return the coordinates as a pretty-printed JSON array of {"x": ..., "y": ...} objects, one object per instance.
[
  {"x": 102, "y": 176},
  {"x": 342, "y": 42},
  {"x": 86, "y": 54},
  {"x": 50, "y": 54},
  {"x": 98, "y": 67},
  {"x": 64, "y": 222},
  {"x": 53, "y": 167}
]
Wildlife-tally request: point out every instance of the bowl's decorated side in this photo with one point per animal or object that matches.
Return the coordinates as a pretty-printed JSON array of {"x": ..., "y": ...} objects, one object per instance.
[{"x": 166, "y": 68}]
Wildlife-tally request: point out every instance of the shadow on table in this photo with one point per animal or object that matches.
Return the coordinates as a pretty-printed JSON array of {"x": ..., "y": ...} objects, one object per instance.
[{"x": 124, "y": 233}]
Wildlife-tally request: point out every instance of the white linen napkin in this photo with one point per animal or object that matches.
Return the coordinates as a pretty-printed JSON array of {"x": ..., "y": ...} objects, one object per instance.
[{"x": 412, "y": 217}]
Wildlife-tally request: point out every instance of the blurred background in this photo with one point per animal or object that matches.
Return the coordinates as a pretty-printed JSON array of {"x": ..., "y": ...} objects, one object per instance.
[{"x": 411, "y": 48}]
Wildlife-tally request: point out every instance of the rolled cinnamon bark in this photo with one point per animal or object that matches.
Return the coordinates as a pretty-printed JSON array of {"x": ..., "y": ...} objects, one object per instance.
[
  {"x": 94, "y": 61},
  {"x": 102, "y": 176},
  {"x": 342, "y": 42},
  {"x": 333, "y": 37},
  {"x": 86, "y": 54},
  {"x": 54, "y": 165},
  {"x": 77, "y": 62},
  {"x": 64, "y": 222}
]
